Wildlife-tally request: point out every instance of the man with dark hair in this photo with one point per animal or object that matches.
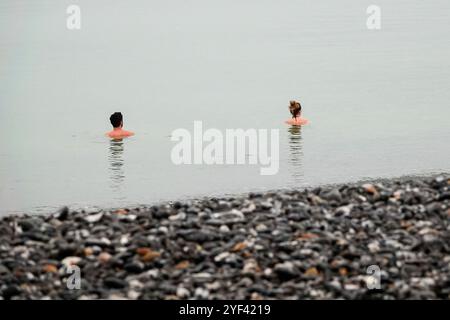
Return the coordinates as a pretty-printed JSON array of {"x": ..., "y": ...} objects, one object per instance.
[{"x": 117, "y": 122}]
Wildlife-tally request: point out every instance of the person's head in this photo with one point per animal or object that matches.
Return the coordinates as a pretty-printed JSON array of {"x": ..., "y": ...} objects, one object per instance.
[
  {"x": 116, "y": 120},
  {"x": 294, "y": 108}
]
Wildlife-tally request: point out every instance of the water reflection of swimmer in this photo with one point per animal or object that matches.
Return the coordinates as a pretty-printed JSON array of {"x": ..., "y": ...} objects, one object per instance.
[
  {"x": 295, "y": 151},
  {"x": 117, "y": 175}
]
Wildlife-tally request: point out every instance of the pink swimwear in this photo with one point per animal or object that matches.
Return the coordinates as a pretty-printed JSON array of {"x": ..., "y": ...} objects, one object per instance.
[{"x": 297, "y": 121}]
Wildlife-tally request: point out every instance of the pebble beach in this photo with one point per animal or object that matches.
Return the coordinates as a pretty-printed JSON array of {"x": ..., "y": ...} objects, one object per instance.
[{"x": 299, "y": 244}]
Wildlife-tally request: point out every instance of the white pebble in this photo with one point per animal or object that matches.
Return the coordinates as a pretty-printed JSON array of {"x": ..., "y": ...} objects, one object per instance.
[{"x": 183, "y": 293}]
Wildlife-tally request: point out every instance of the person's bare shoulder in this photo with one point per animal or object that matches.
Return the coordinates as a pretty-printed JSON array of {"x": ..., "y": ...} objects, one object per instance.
[
  {"x": 297, "y": 121},
  {"x": 121, "y": 134}
]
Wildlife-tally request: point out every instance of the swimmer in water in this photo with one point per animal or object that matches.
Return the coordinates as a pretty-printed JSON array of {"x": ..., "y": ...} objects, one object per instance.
[
  {"x": 295, "y": 109},
  {"x": 117, "y": 123}
]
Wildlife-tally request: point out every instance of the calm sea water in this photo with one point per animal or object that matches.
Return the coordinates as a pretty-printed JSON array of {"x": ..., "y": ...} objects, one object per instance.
[{"x": 378, "y": 101}]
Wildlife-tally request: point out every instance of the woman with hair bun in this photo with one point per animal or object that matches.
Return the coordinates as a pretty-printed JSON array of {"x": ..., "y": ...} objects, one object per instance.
[{"x": 295, "y": 109}]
